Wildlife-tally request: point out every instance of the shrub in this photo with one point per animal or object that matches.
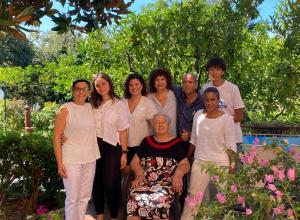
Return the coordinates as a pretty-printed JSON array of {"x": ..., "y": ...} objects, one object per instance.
[{"x": 276, "y": 197}]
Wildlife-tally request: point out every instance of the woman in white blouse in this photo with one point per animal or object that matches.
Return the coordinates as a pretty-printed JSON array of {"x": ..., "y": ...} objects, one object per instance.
[
  {"x": 213, "y": 139},
  {"x": 160, "y": 87},
  {"x": 141, "y": 111},
  {"x": 112, "y": 123},
  {"x": 76, "y": 158}
]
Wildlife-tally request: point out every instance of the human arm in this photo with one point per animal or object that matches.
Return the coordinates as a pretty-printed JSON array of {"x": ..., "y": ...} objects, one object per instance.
[
  {"x": 238, "y": 115},
  {"x": 182, "y": 168},
  {"x": 191, "y": 150},
  {"x": 137, "y": 169},
  {"x": 185, "y": 135},
  {"x": 123, "y": 142},
  {"x": 230, "y": 143},
  {"x": 59, "y": 126}
]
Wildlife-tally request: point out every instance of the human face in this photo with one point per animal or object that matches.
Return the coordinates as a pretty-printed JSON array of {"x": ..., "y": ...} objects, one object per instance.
[
  {"x": 135, "y": 87},
  {"x": 102, "y": 86},
  {"x": 189, "y": 84},
  {"x": 80, "y": 92},
  {"x": 161, "y": 125},
  {"x": 211, "y": 102},
  {"x": 160, "y": 83},
  {"x": 215, "y": 74}
]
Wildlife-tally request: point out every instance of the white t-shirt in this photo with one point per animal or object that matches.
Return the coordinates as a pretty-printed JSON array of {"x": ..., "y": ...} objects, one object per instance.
[
  {"x": 81, "y": 145},
  {"x": 169, "y": 108},
  {"x": 138, "y": 119},
  {"x": 111, "y": 117},
  {"x": 230, "y": 99},
  {"x": 212, "y": 136}
]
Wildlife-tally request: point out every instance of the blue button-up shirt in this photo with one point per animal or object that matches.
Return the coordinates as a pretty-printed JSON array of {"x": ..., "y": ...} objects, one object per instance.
[{"x": 185, "y": 112}]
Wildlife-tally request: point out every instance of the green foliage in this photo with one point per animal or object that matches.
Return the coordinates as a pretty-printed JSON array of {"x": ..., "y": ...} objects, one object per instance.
[
  {"x": 30, "y": 160},
  {"x": 53, "y": 215},
  {"x": 14, "y": 115},
  {"x": 268, "y": 187},
  {"x": 14, "y": 52},
  {"x": 43, "y": 119}
]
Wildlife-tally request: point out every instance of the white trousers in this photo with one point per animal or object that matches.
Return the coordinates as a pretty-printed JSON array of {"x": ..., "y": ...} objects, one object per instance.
[
  {"x": 199, "y": 182},
  {"x": 78, "y": 186}
]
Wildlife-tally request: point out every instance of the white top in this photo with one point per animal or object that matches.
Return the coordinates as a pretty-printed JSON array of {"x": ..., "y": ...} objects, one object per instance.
[
  {"x": 111, "y": 117},
  {"x": 169, "y": 108},
  {"x": 81, "y": 145},
  {"x": 212, "y": 136},
  {"x": 230, "y": 100},
  {"x": 139, "y": 124}
]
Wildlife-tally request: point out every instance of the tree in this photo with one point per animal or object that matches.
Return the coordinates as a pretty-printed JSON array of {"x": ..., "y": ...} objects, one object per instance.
[
  {"x": 82, "y": 15},
  {"x": 14, "y": 52}
]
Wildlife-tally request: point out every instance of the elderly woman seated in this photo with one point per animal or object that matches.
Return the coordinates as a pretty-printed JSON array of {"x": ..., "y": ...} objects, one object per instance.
[{"x": 158, "y": 166}]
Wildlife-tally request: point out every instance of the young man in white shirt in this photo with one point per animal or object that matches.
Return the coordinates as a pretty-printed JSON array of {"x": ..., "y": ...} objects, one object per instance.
[{"x": 230, "y": 97}]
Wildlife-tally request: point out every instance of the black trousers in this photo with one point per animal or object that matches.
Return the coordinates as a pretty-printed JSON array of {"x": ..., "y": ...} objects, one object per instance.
[{"x": 107, "y": 181}]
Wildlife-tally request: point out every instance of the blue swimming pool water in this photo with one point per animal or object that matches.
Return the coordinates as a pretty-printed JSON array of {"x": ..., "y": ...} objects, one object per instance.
[{"x": 267, "y": 139}]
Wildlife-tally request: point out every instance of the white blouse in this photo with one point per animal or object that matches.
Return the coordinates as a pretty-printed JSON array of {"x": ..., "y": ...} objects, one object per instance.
[
  {"x": 111, "y": 117},
  {"x": 139, "y": 124},
  {"x": 212, "y": 136},
  {"x": 81, "y": 145},
  {"x": 169, "y": 109}
]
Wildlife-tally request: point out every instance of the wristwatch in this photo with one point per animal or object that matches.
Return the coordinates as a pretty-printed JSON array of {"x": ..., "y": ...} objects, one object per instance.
[{"x": 124, "y": 151}]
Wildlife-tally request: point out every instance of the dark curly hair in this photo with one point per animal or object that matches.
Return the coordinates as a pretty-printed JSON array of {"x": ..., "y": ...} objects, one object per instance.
[
  {"x": 96, "y": 98},
  {"x": 216, "y": 62},
  {"x": 212, "y": 90},
  {"x": 131, "y": 76},
  {"x": 161, "y": 71}
]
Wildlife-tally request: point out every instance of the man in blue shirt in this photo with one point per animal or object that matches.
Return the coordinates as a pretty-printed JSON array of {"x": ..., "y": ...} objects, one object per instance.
[{"x": 189, "y": 101}]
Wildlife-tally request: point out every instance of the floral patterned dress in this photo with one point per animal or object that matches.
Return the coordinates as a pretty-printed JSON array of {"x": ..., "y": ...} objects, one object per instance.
[{"x": 159, "y": 161}]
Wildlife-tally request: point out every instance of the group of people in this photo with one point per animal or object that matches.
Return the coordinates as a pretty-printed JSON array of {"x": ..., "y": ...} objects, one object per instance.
[{"x": 150, "y": 132}]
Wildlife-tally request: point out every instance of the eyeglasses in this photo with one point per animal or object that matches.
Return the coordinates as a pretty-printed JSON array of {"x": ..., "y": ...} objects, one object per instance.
[{"x": 78, "y": 90}]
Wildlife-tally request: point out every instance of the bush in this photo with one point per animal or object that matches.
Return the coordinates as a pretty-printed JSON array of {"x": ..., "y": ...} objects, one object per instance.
[{"x": 277, "y": 197}]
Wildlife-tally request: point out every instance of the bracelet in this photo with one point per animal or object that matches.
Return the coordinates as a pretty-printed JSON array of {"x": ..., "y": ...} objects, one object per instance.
[{"x": 124, "y": 151}]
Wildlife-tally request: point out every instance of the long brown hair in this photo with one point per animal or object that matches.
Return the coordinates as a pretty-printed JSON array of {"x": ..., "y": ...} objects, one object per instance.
[{"x": 96, "y": 98}]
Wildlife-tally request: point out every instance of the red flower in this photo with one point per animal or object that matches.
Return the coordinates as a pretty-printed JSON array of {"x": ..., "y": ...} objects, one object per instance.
[{"x": 153, "y": 162}]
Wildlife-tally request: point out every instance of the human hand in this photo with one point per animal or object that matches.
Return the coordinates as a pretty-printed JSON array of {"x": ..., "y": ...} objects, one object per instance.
[
  {"x": 123, "y": 160},
  {"x": 185, "y": 135},
  {"x": 62, "y": 171},
  {"x": 177, "y": 183},
  {"x": 139, "y": 180},
  {"x": 232, "y": 168},
  {"x": 63, "y": 139}
]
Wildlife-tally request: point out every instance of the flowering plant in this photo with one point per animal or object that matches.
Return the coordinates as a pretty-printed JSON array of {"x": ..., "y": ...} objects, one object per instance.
[{"x": 260, "y": 189}]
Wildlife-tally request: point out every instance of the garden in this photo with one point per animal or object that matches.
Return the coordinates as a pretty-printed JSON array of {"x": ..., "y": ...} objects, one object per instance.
[{"x": 263, "y": 59}]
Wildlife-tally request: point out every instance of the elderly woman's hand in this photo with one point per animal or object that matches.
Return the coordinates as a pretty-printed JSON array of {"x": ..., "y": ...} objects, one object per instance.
[
  {"x": 177, "y": 183},
  {"x": 139, "y": 180}
]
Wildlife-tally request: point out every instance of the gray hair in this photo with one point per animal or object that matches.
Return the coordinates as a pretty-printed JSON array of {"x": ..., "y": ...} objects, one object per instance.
[
  {"x": 190, "y": 74},
  {"x": 163, "y": 115}
]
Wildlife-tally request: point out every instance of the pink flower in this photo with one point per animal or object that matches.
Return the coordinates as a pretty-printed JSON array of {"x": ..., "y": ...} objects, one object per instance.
[
  {"x": 269, "y": 178},
  {"x": 278, "y": 210},
  {"x": 256, "y": 141},
  {"x": 291, "y": 174},
  {"x": 233, "y": 188},
  {"x": 41, "y": 210},
  {"x": 215, "y": 178},
  {"x": 290, "y": 212},
  {"x": 272, "y": 187},
  {"x": 221, "y": 198},
  {"x": 240, "y": 199},
  {"x": 278, "y": 194},
  {"x": 292, "y": 151},
  {"x": 247, "y": 159},
  {"x": 248, "y": 211},
  {"x": 194, "y": 201},
  {"x": 281, "y": 175},
  {"x": 263, "y": 162}
]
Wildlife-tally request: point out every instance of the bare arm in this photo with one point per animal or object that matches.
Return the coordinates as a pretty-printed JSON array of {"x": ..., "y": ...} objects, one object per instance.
[
  {"x": 231, "y": 156},
  {"x": 59, "y": 126},
  {"x": 123, "y": 141},
  {"x": 191, "y": 150},
  {"x": 137, "y": 169},
  {"x": 182, "y": 168},
  {"x": 238, "y": 115}
]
